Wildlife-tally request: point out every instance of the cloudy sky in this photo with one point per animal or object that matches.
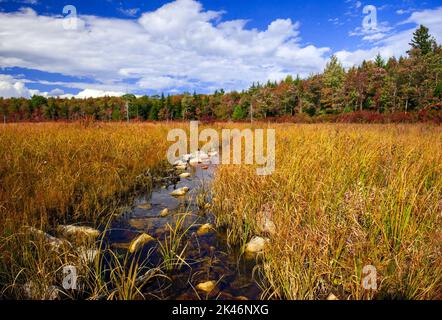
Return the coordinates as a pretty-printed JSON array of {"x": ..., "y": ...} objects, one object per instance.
[{"x": 109, "y": 47}]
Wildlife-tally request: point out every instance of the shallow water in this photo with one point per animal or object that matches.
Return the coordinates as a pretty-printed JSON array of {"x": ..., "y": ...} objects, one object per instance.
[{"x": 207, "y": 256}]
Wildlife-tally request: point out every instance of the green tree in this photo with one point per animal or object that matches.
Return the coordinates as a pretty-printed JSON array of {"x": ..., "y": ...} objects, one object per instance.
[{"x": 422, "y": 40}]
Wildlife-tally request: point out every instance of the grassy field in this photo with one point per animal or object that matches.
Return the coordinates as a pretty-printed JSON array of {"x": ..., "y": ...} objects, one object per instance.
[{"x": 341, "y": 197}]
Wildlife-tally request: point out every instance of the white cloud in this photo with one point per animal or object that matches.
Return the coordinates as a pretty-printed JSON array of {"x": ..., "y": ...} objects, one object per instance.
[
  {"x": 11, "y": 87},
  {"x": 397, "y": 44},
  {"x": 92, "y": 93},
  {"x": 179, "y": 45}
]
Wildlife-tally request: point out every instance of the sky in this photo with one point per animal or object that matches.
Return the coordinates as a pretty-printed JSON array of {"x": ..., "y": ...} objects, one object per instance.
[{"x": 108, "y": 47}]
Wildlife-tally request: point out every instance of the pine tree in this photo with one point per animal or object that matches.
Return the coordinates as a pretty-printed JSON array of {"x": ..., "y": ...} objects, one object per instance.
[{"x": 422, "y": 40}]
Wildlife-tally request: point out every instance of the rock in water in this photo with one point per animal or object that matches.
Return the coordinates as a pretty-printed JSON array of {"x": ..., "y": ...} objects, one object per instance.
[
  {"x": 204, "y": 229},
  {"x": 184, "y": 175},
  {"x": 139, "y": 242},
  {"x": 79, "y": 232},
  {"x": 257, "y": 244},
  {"x": 145, "y": 206},
  {"x": 164, "y": 212},
  {"x": 207, "y": 286},
  {"x": 179, "y": 192}
]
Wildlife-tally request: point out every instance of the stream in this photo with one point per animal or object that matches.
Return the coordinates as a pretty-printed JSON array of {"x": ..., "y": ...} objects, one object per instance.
[{"x": 207, "y": 256}]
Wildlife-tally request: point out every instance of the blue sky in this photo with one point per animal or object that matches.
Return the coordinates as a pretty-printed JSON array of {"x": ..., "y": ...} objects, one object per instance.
[{"x": 110, "y": 47}]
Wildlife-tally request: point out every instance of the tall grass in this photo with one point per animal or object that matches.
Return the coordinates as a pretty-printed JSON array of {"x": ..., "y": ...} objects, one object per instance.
[
  {"x": 53, "y": 173},
  {"x": 342, "y": 197}
]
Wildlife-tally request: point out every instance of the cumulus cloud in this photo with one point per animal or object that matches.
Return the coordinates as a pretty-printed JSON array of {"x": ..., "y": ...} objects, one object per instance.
[
  {"x": 11, "y": 87},
  {"x": 397, "y": 43},
  {"x": 179, "y": 45}
]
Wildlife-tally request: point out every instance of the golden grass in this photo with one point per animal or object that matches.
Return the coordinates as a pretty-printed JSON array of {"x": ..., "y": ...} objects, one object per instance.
[
  {"x": 341, "y": 197},
  {"x": 56, "y": 173}
]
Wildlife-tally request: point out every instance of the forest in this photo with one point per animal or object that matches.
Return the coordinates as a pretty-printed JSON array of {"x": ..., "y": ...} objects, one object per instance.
[{"x": 408, "y": 88}]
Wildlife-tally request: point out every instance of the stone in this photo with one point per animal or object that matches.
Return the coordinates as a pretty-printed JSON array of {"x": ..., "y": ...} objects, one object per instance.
[
  {"x": 181, "y": 167},
  {"x": 164, "y": 212},
  {"x": 139, "y": 242},
  {"x": 207, "y": 286},
  {"x": 179, "y": 192},
  {"x": 204, "y": 229},
  {"x": 79, "y": 232},
  {"x": 256, "y": 244},
  {"x": 331, "y": 296},
  {"x": 145, "y": 206},
  {"x": 184, "y": 175}
]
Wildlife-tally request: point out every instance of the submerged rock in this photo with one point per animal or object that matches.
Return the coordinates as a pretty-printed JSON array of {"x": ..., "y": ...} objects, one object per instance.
[
  {"x": 179, "y": 192},
  {"x": 164, "y": 212},
  {"x": 204, "y": 229},
  {"x": 79, "y": 232},
  {"x": 257, "y": 244},
  {"x": 184, "y": 175},
  {"x": 145, "y": 206},
  {"x": 207, "y": 286},
  {"x": 139, "y": 242}
]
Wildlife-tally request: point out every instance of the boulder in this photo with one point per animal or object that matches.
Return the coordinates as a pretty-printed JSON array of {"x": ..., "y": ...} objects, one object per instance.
[
  {"x": 184, "y": 175},
  {"x": 179, "y": 192},
  {"x": 79, "y": 233},
  {"x": 204, "y": 229},
  {"x": 164, "y": 212},
  {"x": 207, "y": 286},
  {"x": 139, "y": 242},
  {"x": 54, "y": 242},
  {"x": 256, "y": 244}
]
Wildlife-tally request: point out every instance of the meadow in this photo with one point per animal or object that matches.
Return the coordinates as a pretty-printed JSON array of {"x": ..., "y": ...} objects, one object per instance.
[{"x": 342, "y": 197}]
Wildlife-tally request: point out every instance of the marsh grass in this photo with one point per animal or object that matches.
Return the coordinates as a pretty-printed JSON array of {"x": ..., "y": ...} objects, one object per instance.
[
  {"x": 174, "y": 245},
  {"x": 57, "y": 173},
  {"x": 342, "y": 197}
]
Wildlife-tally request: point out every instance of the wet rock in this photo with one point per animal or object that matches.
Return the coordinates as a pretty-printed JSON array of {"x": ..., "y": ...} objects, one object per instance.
[
  {"x": 331, "y": 296},
  {"x": 207, "y": 286},
  {"x": 184, "y": 175},
  {"x": 204, "y": 229},
  {"x": 79, "y": 233},
  {"x": 179, "y": 192},
  {"x": 257, "y": 244},
  {"x": 181, "y": 167},
  {"x": 164, "y": 212},
  {"x": 139, "y": 242},
  {"x": 145, "y": 206}
]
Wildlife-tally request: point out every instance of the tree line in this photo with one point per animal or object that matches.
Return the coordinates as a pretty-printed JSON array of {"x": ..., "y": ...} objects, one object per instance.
[{"x": 411, "y": 83}]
